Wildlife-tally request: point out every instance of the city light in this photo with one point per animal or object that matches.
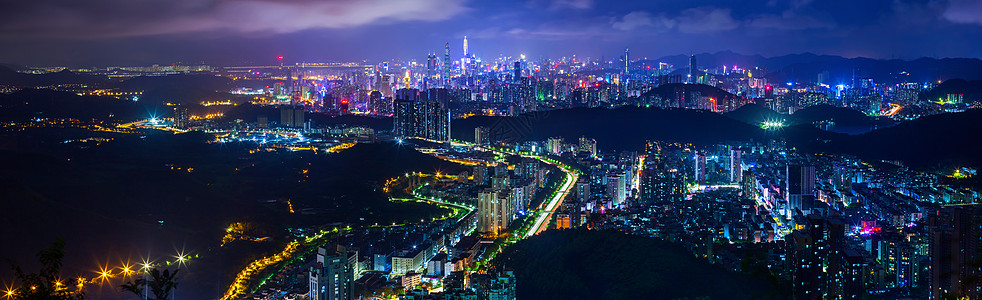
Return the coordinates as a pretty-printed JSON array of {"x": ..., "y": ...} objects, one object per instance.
[{"x": 772, "y": 125}]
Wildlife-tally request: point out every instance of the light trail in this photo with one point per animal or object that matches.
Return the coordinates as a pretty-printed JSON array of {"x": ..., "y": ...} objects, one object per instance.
[
  {"x": 547, "y": 209},
  {"x": 557, "y": 199},
  {"x": 893, "y": 111}
]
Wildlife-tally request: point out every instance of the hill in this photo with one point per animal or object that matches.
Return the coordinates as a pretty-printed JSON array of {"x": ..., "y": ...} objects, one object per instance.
[
  {"x": 972, "y": 90},
  {"x": 806, "y": 66},
  {"x": 671, "y": 90},
  {"x": 933, "y": 142},
  {"x": 754, "y": 114},
  {"x": 29, "y": 104},
  {"x": 622, "y": 128},
  {"x": 10, "y": 77},
  {"x": 839, "y": 115},
  {"x": 581, "y": 264}
]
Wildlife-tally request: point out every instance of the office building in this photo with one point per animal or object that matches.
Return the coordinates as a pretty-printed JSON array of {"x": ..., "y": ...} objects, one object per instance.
[{"x": 332, "y": 277}]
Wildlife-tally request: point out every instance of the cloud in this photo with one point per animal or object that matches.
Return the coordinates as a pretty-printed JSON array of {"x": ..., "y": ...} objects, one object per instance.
[
  {"x": 634, "y": 20},
  {"x": 964, "y": 11},
  {"x": 789, "y": 21},
  {"x": 576, "y": 4},
  {"x": 706, "y": 19},
  {"x": 118, "y": 18}
]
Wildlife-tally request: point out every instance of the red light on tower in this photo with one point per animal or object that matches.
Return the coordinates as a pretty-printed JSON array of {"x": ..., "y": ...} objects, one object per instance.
[
  {"x": 280, "y": 57},
  {"x": 344, "y": 101}
]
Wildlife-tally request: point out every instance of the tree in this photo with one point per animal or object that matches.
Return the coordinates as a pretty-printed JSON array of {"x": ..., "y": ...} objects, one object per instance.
[
  {"x": 161, "y": 284},
  {"x": 46, "y": 283}
]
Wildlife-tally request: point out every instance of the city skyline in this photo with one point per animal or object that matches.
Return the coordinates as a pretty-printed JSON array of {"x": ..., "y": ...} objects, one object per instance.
[
  {"x": 234, "y": 32},
  {"x": 490, "y": 150}
]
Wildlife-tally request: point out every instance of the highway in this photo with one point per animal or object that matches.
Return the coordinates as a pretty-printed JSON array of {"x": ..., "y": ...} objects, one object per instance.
[
  {"x": 547, "y": 208},
  {"x": 545, "y": 213}
]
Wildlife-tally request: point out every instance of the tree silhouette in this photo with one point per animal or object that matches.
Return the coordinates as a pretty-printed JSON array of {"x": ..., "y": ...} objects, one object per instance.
[
  {"x": 161, "y": 284},
  {"x": 46, "y": 283}
]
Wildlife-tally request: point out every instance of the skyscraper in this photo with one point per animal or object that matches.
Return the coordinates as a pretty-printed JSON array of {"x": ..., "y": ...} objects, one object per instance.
[
  {"x": 955, "y": 241},
  {"x": 332, "y": 277},
  {"x": 518, "y": 71},
  {"x": 494, "y": 211},
  {"x": 692, "y": 69},
  {"x": 700, "y": 168},
  {"x": 627, "y": 60},
  {"x": 588, "y": 145},
  {"x": 659, "y": 186},
  {"x": 182, "y": 117},
  {"x": 379, "y": 105},
  {"x": 292, "y": 117},
  {"x": 799, "y": 188},
  {"x": 617, "y": 188},
  {"x": 465, "y": 46},
  {"x": 482, "y": 135},
  {"x": 430, "y": 69},
  {"x": 446, "y": 66},
  {"x": 736, "y": 166},
  {"x": 417, "y": 116}
]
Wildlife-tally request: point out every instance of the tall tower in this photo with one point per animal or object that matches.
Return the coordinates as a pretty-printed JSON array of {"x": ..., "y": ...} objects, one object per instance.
[
  {"x": 518, "y": 70},
  {"x": 446, "y": 65},
  {"x": 465, "y": 46},
  {"x": 627, "y": 60},
  {"x": 692, "y": 68},
  {"x": 430, "y": 69}
]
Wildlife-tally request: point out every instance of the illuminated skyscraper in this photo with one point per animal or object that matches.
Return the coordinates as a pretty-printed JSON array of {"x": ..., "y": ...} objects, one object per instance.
[
  {"x": 430, "y": 70},
  {"x": 736, "y": 166},
  {"x": 799, "y": 187},
  {"x": 446, "y": 66},
  {"x": 617, "y": 188},
  {"x": 465, "y": 46},
  {"x": 588, "y": 145},
  {"x": 518, "y": 70},
  {"x": 182, "y": 118},
  {"x": 420, "y": 118},
  {"x": 954, "y": 243},
  {"x": 379, "y": 105},
  {"x": 482, "y": 135},
  {"x": 700, "y": 168},
  {"x": 627, "y": 60},
  {"x": 494, "y": 211},
  {"x": 692, "y": 69},
  {"x": 332, "y": 277},
  {"x": 292, "y": 117}
]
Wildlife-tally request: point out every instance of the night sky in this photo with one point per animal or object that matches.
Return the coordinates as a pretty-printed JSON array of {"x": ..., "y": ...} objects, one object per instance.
[{"x": 127, "y": 32}]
